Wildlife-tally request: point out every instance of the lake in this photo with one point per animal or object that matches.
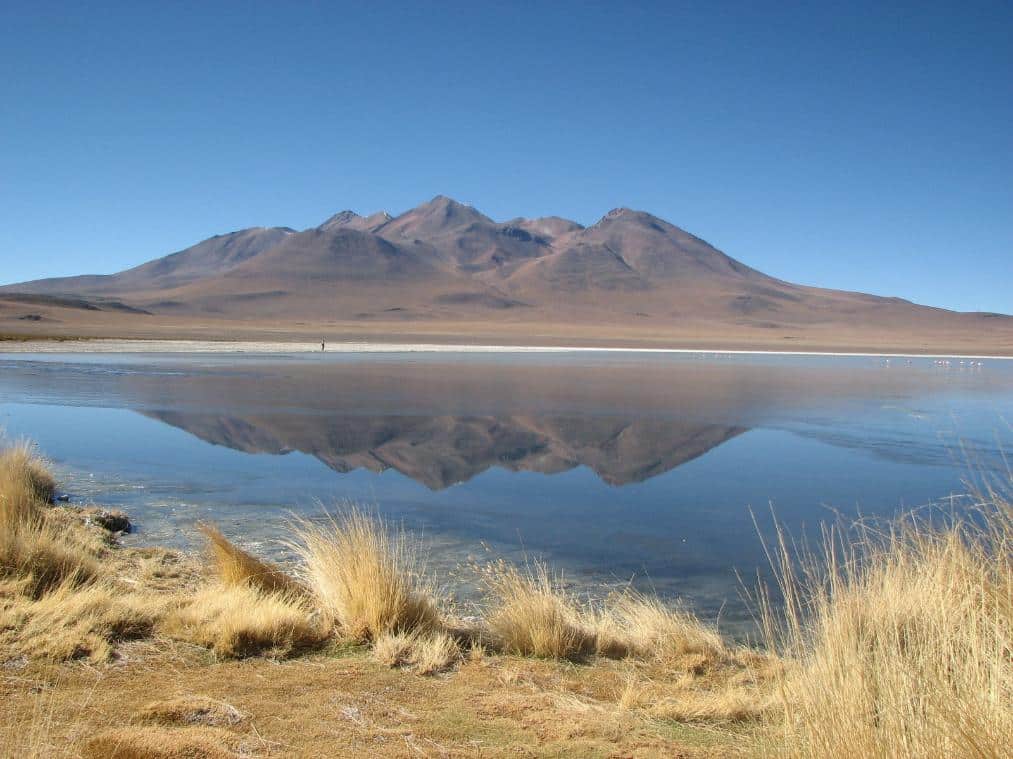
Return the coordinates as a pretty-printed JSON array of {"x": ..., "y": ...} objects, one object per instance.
[{"x": 613, "y": 467}]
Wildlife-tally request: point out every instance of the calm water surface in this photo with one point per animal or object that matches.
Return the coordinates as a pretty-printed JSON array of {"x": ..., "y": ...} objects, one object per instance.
[{"x": 613, "y": 468}]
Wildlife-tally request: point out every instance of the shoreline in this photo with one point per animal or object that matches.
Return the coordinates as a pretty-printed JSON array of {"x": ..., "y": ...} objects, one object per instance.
[
  {"x": 114, "y": 651},
  {"x": 156, "y": 346}
]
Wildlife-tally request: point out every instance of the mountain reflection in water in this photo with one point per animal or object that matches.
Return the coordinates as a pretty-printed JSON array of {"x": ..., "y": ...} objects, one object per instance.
[
  {"x": 440, "y": 451},
  {"x": 615, "y": 469},
  {"x": 442, "y": 420}
]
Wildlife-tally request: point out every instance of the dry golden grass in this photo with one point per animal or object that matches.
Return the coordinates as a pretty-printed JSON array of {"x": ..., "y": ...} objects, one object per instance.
[
  {"x": 893, "y": 643},
  {"x": 711, "y": 706},
  {"x": 22, "y": 461},
  {"x": 645, "y": 627},
  {"x": 31, "y": 736},
  {"x": 236, "y": 567},
  {"x": 900, "y": 641},
  {"x": 34, "y": 549},
  {"x": 19, "y": 504},
  {"x": 54, "y": 603},
  {"x": 366, "y": 576},
  {"x": 191, "y": 710},
  {"x": 163, "y": 743},
  {"x": 531, "y": 615},
  {"x": 435, "y": 652},
  {"x": 42, "y": 557},
  {"x": 73, "y": 621},
  {"x": 243, "y": 621},
  {"x": 330, "y": 704},
  {"x": 365, "y": 582},
  {"x": 427, "y": 652},
  {"x": 715, "y": 697},
  {"x": 393, "y": 649}
]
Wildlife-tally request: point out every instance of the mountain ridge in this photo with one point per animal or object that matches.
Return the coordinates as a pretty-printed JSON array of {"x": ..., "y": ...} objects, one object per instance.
[{"x": 445, "y": 262}]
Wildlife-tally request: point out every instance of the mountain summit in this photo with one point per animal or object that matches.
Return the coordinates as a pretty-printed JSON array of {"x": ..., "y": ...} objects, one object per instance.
[{"x": 352, "y": 220}]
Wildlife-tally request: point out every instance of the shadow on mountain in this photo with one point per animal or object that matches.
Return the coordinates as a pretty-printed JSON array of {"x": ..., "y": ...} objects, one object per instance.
[{"x": 440, "y": 451}]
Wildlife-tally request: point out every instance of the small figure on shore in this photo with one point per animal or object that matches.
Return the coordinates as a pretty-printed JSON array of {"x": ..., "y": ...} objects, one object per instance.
[{"x": 321, "y": 346}]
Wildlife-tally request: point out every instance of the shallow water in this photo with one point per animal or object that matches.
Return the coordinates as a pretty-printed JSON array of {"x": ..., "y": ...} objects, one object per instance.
[{"x": 612, "y": 467}]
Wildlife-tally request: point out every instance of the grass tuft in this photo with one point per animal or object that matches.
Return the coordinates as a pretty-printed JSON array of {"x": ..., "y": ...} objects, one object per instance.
[
  {"x": 633, "y": 624},
  {"x": 237, "y": 568},
  {"x": 435, "y": 652},
  {"x": 34, "y": 548},
  {"x": 191, "y": 710},
  {"x": 531, "y": 615},
  {"x": 72, "y": 622},
  {"x": 21, "y": 461},
  {"x": 366, "y": 576},
  {"x": 42, "y": 558},
  {"x": 900, "y": 641},
  {"x": 239, "y": 621},
  {"x": 163, "y": 743},
  {"x": 427, "y": 652}
]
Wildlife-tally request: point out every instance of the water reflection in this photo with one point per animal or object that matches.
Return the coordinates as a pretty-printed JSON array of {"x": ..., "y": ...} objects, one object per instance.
[
  {"x": 440, "y": 451},
  {"x": 626, "y": 467}
]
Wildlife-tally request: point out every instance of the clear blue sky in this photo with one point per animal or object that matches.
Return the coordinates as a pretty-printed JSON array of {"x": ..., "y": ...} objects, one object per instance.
[{"x": 862, "y": 145}]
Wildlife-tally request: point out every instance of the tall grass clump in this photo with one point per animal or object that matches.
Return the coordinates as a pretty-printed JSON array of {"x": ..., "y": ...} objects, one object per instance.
[
  {"x": 38, "y": 554},
  {"x": 242, "y": 621},
  {"x": 20, "y": 503},
  {"x": 56, "y": 600},
  {"x": 367, "y": 576},
  {"x": 72, "y": 621},
  {"x": 531, "y": 614},
  {"x": 899, "y": 640},
  {"x": 235, "y": 567},
  {"x": 162, "y": 742},
  {"x": 428, "y": 652},
  {"x": 23, "y": 462},
  {"x": 643, "y": 626},
  {"x": 39, "y": 557}
]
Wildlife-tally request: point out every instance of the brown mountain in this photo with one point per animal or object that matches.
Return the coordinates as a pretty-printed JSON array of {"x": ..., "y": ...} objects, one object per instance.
[
  {"x": 445, "y": 271},
  {"x": 205, "y": 259},
  {"x": 352, "y": 220}
]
